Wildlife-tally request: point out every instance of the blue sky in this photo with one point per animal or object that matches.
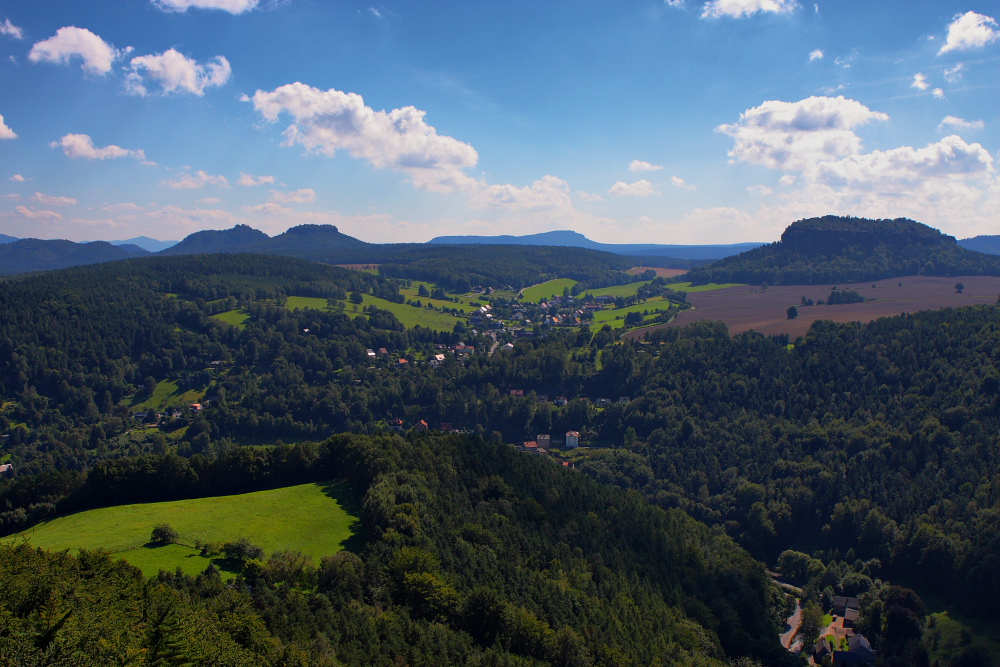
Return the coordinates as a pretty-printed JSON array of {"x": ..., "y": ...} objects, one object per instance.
[{"x": 677, "y": 121}]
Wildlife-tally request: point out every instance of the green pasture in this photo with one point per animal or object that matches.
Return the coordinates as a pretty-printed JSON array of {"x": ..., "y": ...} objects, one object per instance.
[
  {"x": 619, "y": 290},
  {"x": 167, "y": 395},
  {"x": 316, "y": 519},
  {"x": 411, "y": 294},
  {"x": 537, "y": 293},
  {"x": 237, "y": 318},
  {"x": 687, "y": 287},
  {"x": 616, "y": 316},
  {"x": 411, "y": 316}
]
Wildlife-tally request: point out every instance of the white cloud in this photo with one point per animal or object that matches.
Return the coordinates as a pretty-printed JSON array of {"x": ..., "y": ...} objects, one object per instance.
[
  {"x": 330, "y": 121},
  {"x": 679, "y": 182},
  {"x": 745, "y": 8},
  {"x": 641, "y": 188},
  {"x": 760, "y": 190},
  {"x": 970, "y": 31},
  {"x": 792, "y": 135},
  {"x": 674, "y": 3},
  {"x": 938, "y": 94},
  {"x": 18, "y": 178},
  {"x": 11, "y": 30},
  {"x": 954, "y": 74},
  {"x": 35, "y": 214},
  {"x": 198, "y": 179},
  {"x": 49, "y": 200},
  {"x": 549, "y": 192},
  {"x": 848, "y": 60},
  {"x": 124, "y": 206},
  {"x": 249, "y": 180},
  {"x": 231, "y": 6},
  {"x": 210, "y": 200},
  {"x": 788, "y": 179},
  {"x": 920, "y": 82},
  {"x": 954, "y": 121},
  {"x": 589, "y": 196},
  {"x": 81, "y": 145},
  {"x": 642, "y": 165},
  {"x": 6, "y": 132},
  {"x": 177, "y": 73},
  {"x": 97, "y": 55},
  {"x": 303, "y": 196},
  {"x": 815, "y": 54}
]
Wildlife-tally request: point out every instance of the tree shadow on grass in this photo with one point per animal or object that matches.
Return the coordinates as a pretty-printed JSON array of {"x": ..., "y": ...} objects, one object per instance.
[{"x": 350, "y": 500}]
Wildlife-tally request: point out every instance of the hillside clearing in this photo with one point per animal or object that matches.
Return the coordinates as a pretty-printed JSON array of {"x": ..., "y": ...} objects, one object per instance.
[{"x": 316, "y": 519}]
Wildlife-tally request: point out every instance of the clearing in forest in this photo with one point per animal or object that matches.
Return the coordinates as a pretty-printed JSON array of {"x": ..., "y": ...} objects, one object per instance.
[
  {"x": 316, "y": 519},
  {"x": 542, "y": 291}
]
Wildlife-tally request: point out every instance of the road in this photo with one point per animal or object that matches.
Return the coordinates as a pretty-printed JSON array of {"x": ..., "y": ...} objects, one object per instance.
[{"x": 793, "y": 626}]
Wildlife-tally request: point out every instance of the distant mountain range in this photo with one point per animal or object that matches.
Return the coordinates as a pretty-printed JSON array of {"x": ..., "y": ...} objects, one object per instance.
[
  {"x": 325, "y": 243},
  {"x": 577, "y": 240},
  {"x": 146, "y": 243}
]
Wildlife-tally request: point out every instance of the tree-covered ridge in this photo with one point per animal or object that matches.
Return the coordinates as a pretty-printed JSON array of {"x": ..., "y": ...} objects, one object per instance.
[
  {"x": 476, "y": 555},
  {"x": 836, "y": 249}
]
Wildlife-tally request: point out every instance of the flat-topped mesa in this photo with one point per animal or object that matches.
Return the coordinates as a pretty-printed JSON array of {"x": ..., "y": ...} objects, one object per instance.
[{"x": 831, "y": 234}]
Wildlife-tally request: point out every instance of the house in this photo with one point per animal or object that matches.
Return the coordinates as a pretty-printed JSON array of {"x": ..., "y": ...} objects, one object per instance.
[
  {"x": 396, "y": 424},
  {"x": 560, "y": 401},
  {"x": 544, "y": 440},
  {"x": 842, "y": 603},
  {"x": 370, "y": 353},
  {"x": 517, "y": 392},
  {"x": 859, "y": 652},
  {"x": 542, "y": 398},
  {"x": 603, "y": 402},
  {"x": 507, "y": 347},
  {"x": 175, "y": 413},
  {"x": 447, "y": 427},
  {"x": 195, "y": 407},
  {"x": 437, "y": 360},
  {"x": 462, "y": 350},
  {"x": 421, "y": 425},
  {"x": 623, "y": 400},
  {"x": 402, "y": 363},
  {"x": 382, "y": 352},
  {"x": 530, "y": 446},
  {"x": 572, "y": 439},
  {"x": 6, "y": 468}
]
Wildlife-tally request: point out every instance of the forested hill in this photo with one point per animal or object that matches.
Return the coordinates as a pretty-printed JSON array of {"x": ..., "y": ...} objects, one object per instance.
[
  {"x": 25, "y": 255},
  {"x": 835, "y": 249},
  {"x": 475, "y": 554}
]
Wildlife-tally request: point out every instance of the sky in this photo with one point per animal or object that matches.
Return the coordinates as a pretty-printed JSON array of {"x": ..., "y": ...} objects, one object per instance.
[{"x": 630, "y": 121}]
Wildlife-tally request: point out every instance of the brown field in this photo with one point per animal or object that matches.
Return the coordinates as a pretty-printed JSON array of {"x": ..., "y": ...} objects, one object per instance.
[
  {"x": 746, "y": 308},
  {"x": 660, "y": 271}
]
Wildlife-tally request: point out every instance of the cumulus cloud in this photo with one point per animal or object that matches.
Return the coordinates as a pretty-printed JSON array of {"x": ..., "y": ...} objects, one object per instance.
[
  {"x": 679, "y": 182},
  {"x": 303, "y": 196},
  {"x": 760, "y": 190},
  {"x": 198, "y": 179},
  {"x": 69, "y": 42},
  {"x": 970, "y": 31},
  {"x": 49, "y": 200},
  {"x": 10, "y": 30},
  {"x": 815, "y": 54},
  {"x": 674, "y": 3},
  {"x": 175, "y": 72},
  {"x": 642, "y": 165},
  {"x": 6, "y": 132},
  {"x": 124, "y": 206},
  {"x": 231, "y": 6},
  {"x": 920, "y": 82},
  {"x": 792, "y": 135},
  {"x": 327, "y": 121},
  {"x": 81, "y": 145},
  {"x": 954, "y": 121},
  {"x": 641, "y": 188},
  {"x": 210, "y": 200},
  {"x": 18, "y": 178},
  {"x": 36, "y": 214},
  {"x": 549, "y": 192},
  {"x": 745, "y": 8},
  {"x": 249, "y": 180},
  {"x": 788, "y": 179},
  {"x": 938, "y": 94}
]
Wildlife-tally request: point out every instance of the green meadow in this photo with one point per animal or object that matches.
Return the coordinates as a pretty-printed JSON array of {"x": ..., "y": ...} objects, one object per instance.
[
  {"x": 616, "y": 317},
  {"x": 409, "y": 316},
  {"x": 167, "y": 395},
  {"x": 541, "y": 291},
  {"x": 619, "y": 290},
  {"x": 687, "y": 287},
  {"x": 303, "y": 302},
  {"x": 237, "y": 318},
  {"x": 316, "y": 519}
]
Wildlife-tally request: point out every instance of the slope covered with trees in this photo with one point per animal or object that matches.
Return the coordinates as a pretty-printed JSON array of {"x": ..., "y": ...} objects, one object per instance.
[{"x": 836, "y": 249}]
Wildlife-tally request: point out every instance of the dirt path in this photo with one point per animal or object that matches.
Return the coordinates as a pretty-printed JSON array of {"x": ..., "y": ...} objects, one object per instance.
[{"x": 793, "y": 626}]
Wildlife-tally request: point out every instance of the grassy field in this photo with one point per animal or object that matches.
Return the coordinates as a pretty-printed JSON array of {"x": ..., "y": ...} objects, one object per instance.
[
  {"x": 316, "y": 519},
  {"x": 619, "y": 290},
  {"x": 411, "y": 294},
  {"x": 616, "y": 317},
  {"x": 167, "y": 395},
  {"x": 537, "y": 293},
  {"x": 686, "y": 287},
  {"x": 408, "y": 315},
  {"x": 237, "y": 318},
  {"x": 303, "y": 302}
]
